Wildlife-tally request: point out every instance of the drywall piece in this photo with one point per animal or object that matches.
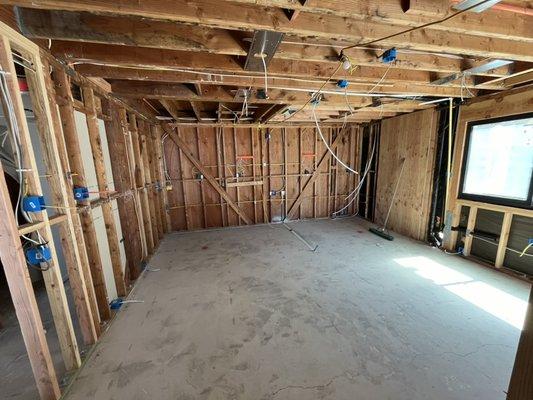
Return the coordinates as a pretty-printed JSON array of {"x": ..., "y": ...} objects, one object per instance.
[
  {"x": 86, "y": 154},
  {"x": 105, "y": 255},
  {"x": 71, "y": 155},
  {"x": 120, "y": 235},
  {"x": 413, "y": 137},
  {"x": 92, "y": 184}
]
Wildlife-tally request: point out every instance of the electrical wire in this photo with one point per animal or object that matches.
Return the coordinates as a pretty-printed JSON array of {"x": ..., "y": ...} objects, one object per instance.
[
  {"x": 266, "y": 75},
  {"x": 355, "y": 192},
  {"x": 521, "y": 253},
  {"x": 327, "y": 146},
  {"x": 415, "y": 28},
  {"x": 316, "y": 94},
  {"x": 17, "y": 150},
  {"x": 233, "y": 112},
  {"x": 381, "y": 80}
]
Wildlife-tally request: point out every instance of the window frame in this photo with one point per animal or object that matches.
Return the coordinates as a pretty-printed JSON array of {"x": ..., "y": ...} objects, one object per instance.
[{"x": 526, "y": 204}]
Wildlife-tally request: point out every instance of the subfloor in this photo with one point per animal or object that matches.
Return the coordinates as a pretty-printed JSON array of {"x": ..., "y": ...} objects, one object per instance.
[{"x": 251, "y": 313}]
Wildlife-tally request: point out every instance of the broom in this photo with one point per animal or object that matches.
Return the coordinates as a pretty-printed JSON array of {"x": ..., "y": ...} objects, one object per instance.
[{"x": 381, "y": 231}]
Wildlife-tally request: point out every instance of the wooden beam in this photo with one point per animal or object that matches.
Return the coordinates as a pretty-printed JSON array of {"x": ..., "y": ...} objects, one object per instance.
[
  {"x": 137, "y": 31},
  {"x": 101, "y": 177},
  {"x": 127, "y": 126},
  {"x": 391, "y": 12},
  {"x": 140, "y": 180},
  {"x": 118, "y": 135},
  {"x": 76, "y": 221},
  {"x": 428, "y": 8},
  {"x": 360, "y": 84},
  {"x": 196, "y": 110},
  {"x": 49, "y": 129},
  {"x": 154, "y": 174},
  {"x": 158, "y": 145},
  {"x": 251, "y": 17},
  {"x": 23, "y": 297},
  {"x": 316, "y": 173},
  {"x": 52, "y": 276},
  {"x": 521, "y": 384},
  {"x": 265, "y": 114},
  {"x": 470, "y": 227},
  {"x": 244, "y": 184},
  {"x": 212, "y": 181},
  {"x": 161, "y": 91},
  {"x": 504, "y": 237},
  {"x": 73, "y": 151},
  {"x": 144, "y": 131},
  {"x": 113, "y": 55}
]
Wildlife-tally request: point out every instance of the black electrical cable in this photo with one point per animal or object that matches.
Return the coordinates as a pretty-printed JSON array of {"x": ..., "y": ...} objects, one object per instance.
[{"x": 415, "y": 28}]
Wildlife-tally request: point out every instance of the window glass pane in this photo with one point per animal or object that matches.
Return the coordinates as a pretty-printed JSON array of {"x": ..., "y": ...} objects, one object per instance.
[{"x": 500, "y": 159}]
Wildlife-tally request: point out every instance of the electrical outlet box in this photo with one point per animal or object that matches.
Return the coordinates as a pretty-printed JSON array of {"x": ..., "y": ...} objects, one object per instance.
[
  {"x": 80, "y": 193},
  {"x": 33, "y": 203},
  {"x": 38, "y": 254},
  {"x": 389, "y": 56}
]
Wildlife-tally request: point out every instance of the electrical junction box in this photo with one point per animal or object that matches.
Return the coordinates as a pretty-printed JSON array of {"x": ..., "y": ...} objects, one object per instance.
[
  {"x": 80, "y": 193},
  {"x": 343, "y": 83},
  {"x": 33, "y": 203},
  {"x": 389, "y": 56},
  {"x": 38, "y": 254}
]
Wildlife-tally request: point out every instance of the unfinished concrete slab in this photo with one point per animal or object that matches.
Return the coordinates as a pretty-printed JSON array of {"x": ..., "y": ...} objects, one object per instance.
[{"x": 251, "y": 313}]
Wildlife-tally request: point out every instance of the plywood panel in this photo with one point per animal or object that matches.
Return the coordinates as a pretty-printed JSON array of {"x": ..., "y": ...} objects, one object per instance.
[{"x": 411, "y": 137}]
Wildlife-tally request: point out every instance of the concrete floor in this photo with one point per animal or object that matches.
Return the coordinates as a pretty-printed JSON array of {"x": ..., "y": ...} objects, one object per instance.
[
  {"x": 16, "y": 378},
  {"x": 251, "y": 313}
]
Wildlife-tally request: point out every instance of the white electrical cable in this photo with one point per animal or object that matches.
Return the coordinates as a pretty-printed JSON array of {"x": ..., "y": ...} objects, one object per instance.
[
  {"x": 233, "y": 112},
  {"x": 356, "y": 191},
  {"x": 508, "y": 248},
  {"x": 263, "y": 56},
  {"x": 165, "y": 168},
  {"x": 381, "y": 80},
  {"x": 345, "y": 120},
  {"x": 404, "y": 51},
  {"x": 17, "y": 150},
  {"x": 327, "y": 146}
]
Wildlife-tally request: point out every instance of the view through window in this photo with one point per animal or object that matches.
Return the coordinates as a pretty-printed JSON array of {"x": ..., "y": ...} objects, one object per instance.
[{"x": 499, "y": 162}]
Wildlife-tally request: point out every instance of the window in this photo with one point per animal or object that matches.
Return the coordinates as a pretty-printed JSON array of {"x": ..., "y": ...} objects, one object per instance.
[{"x": 498, "y": 166}]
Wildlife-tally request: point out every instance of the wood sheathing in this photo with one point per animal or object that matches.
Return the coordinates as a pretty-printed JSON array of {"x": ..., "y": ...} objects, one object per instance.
[{"x": 412, "y": 138}]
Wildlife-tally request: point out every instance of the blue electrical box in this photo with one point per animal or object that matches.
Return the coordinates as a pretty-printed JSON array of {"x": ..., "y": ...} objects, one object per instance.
[
  {"x": 389, "y": 56},
  {"x": 38, "y": 254},
  {"x": 81, "y": 193},
  {"x": 343, "y": 83},
  {"x": 33, "y": 203}
]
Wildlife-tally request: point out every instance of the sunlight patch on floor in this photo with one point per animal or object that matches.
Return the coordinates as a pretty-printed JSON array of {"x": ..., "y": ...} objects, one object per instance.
[{"x": 496, "y": 302}]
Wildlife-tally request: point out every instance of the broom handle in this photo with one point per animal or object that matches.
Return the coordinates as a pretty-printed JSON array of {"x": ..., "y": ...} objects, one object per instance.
[{"x": 394, "y": 194}]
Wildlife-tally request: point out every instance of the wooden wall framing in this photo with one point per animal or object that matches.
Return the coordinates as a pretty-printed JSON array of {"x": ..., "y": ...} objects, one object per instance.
[
  {"x": 53, "y": 104},
  {"x": 227, "y": 176},
  {"x": 513, "y": 102}
]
